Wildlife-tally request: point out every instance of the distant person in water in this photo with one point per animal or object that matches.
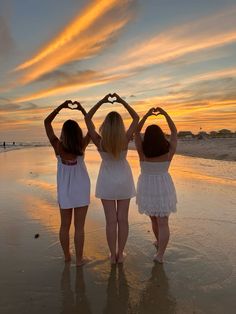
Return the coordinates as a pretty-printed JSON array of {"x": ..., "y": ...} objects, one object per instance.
[
  {"x": 73, "y": 183},
  {"x": 156, "y": 196},
  {"x": 115, "y": 185}
]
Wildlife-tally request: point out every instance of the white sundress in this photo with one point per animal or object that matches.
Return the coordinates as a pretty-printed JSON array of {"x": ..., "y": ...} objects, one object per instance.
[
  {"x": 73, "y": 183},
  {"x": 156, "y": 195},
  {"x": 115, "y": 179}
]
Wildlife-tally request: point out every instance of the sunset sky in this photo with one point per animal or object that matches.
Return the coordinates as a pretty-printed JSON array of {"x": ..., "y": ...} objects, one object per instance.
[{"x": 180, "y": 55}]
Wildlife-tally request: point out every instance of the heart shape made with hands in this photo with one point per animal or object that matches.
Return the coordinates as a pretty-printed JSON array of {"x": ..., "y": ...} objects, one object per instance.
[
  {"x": 112, "y": 98},
  {"x": 73, "y": 105},
  {"x": 155, "y": 112}
]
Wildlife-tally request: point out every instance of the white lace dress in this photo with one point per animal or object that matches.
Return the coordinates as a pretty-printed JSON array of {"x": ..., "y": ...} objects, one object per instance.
[
  {"x": 73, "y": 183},
  {"x": 156, "y": 195},
  {"x": 115, "y": 179}
]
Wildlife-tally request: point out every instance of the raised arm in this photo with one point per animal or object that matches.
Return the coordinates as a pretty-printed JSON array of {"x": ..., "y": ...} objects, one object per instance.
[
  {"x": 48, "y": 123},
  {"x": 87, "y": 138},
  {"x": 133, "y": 114},
  {"x": 173, "y": 130},
  {"x": 137, "y": 137},
  {"x": 88, "y": 119}
]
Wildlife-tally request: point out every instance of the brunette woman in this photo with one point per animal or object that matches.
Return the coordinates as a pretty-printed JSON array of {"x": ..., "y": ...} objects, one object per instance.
[
  {"x": 156, "y": 196},
  {"x": 73, "y": 184}
]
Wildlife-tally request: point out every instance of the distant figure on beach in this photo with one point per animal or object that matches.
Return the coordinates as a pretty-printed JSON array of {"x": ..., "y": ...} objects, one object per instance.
[
  {"x": 115, "y": 185},
  {"x": 73, "y": 183},
  {"x": 156, "y": 196},
  {"x": 4, "y": 144}
]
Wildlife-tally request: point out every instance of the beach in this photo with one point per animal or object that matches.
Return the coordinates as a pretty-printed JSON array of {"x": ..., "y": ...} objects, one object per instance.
[
  {"x": 198, "y": 275},
  {"x": 207, "y": 148}
]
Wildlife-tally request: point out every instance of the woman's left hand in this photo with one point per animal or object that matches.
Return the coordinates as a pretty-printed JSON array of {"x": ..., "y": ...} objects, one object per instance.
[
  {"x": 118, "y": 98},
  {"x": 79, "y": 106}
]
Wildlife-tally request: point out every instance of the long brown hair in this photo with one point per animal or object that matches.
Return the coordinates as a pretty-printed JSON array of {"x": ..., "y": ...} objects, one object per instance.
[
  {"x": 154, "y": 142},
  {"x": 72, "y": 138},
  {"x": 113, "y": 134}
]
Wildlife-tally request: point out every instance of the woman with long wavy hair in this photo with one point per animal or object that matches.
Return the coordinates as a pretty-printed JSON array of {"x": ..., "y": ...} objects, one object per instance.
[
  {"x": 73, "y": 183},
  {"x": 115, "y": 185}
]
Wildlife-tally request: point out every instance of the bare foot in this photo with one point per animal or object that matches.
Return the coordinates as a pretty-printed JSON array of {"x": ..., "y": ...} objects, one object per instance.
[
  {"x": 112, "y": 259},
  {"x": 158, "y": 259},
  {"x": 82, "y": 262},
  {"x": 120, "y": 258}
]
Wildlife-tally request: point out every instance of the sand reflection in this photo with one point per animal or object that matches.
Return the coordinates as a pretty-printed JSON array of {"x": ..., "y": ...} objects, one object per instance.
[
  {"x": 73, "y": 292},
  {"x": 117, "y": 292},
  {"x": 156, "y": 297}
]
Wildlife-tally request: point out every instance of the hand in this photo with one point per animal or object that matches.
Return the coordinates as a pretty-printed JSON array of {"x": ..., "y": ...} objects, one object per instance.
[
  {"x": 151, "y": 112},
  {"x": 106, "y": 98},
  {"x": 159, "y": 110},
  {"x": 66, "y": 104},
  {"x": 118, "y": 98},
  {"x": 77, "y": 106}
]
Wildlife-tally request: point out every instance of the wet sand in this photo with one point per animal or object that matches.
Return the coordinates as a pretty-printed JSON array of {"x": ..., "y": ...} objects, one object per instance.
[
  {"x": 209, "y": 148},
  {"x": 197, "y": 277}
]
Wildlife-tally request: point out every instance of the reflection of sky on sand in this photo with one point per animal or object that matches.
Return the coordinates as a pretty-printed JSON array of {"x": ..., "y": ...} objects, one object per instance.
[{"x": 199, "y": 273}]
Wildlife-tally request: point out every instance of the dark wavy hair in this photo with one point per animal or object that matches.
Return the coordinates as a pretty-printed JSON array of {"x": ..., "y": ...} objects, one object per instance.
[
  {"x": 154, "y": 142},
  {"x": 72, "y": 138}
]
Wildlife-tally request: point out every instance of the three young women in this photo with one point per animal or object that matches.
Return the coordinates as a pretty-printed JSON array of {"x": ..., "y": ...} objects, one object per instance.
[{"x": 156, "y": 196}]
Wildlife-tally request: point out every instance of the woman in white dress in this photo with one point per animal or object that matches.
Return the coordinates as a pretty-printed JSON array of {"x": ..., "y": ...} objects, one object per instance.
[
  {"x": 73, "y": 183},
  {"x": 115, "y": 185},
  {"x": 156, "y": 196}
]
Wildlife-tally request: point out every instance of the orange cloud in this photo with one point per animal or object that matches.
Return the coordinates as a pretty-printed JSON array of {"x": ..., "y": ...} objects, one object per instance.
[
  {"x": 180, "y": 41},
  {"x": 84, "y": 82},
  {"x": 81, "y": 39},
  {"x": 75, "y": 28}
]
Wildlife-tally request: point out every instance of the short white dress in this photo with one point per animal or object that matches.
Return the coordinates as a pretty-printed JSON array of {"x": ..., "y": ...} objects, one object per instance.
[
  {"x": 156, "y": 195},
  {"x": 115, "y": 179},
  {"x": 73, "y": 183}
]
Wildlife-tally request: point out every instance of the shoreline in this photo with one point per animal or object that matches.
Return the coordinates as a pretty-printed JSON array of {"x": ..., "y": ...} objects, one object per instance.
[{"x": 217, "y": 148}]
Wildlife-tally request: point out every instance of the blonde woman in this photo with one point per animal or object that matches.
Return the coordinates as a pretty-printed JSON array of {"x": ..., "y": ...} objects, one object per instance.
[{"x": 115, "y": 185}]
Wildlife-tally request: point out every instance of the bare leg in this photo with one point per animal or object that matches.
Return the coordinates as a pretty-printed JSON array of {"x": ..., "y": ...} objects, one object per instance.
[
  {"x": 79, "y": 220},
  {"x": 64, "y": 235},
  {"x": 164, "y": 234},
  {"x": 111, "y": 226},
  {"x": 123, "y": 227},
  {"x": 155, "y": 229}
]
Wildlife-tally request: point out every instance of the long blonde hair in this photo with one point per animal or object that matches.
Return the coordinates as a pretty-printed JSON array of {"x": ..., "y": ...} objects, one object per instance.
[{"x": 113, "y": 134}]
